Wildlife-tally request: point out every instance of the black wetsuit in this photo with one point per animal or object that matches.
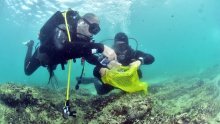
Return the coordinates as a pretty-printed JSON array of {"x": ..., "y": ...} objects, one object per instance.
[
  {"x": 59, "y": 50},
  {"x": 130, "y": 56}
]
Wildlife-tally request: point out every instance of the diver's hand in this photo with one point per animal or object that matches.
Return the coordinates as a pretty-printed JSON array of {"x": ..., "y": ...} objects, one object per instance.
[
  {"x": 110, "y": 53},
  {"x": 113, "y": 64},
  {"x": 103, "y": 71},
  {"x": 135, "y": 63}
]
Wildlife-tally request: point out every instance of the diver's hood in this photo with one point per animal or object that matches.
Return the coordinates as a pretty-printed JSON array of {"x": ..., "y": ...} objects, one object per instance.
[{"x": 121, "y": 37}]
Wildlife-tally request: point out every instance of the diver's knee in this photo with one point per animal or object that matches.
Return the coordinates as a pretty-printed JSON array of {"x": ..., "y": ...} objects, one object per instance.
[
  {"x": 104, "y": 89},
  {"x": 27, "y": 73}
]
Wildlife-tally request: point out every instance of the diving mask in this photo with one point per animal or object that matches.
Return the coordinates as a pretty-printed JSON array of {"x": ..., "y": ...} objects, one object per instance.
[{"x": 93, "y": 27}]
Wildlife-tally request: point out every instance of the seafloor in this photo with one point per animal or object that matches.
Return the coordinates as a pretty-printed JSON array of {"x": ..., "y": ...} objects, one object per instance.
[{"x": 185, "y": 100}]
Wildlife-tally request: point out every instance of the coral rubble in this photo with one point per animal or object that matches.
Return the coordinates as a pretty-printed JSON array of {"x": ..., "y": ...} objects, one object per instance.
[{"x": 184, "y": 100}]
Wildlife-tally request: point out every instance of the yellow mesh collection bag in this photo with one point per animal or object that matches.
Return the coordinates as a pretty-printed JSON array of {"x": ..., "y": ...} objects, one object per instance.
[{"x": 125, "y": 78}]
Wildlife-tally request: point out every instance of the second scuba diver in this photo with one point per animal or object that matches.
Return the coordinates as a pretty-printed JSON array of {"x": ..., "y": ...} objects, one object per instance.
[{"x": 125, "y": 56}]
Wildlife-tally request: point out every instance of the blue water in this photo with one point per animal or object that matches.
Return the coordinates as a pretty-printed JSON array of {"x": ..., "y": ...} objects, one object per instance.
[{"x": 184, "y": 36}]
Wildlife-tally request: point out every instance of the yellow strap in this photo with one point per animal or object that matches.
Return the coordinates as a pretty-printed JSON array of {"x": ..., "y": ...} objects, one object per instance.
[
  {"x": 67, "y": 27},
  {"x": 69, "y": 61},
  {"x": 68, "y": 81}
]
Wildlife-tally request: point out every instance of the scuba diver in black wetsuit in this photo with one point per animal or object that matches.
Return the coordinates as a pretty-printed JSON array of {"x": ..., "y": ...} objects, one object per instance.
[
  {"x": 57, "y": 46},
  {"x": 125, "y": 56}
]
